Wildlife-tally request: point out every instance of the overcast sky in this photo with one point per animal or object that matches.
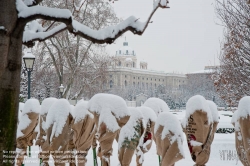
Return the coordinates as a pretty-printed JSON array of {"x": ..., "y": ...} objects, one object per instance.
[{"x": 182, "y": 39}]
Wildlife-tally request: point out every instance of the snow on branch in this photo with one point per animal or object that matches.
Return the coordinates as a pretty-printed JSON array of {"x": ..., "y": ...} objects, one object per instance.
[
  {"x": 30, "y": 35},
  {"x": 32, "y": 2},
  {"x": 106, "y": 35}
]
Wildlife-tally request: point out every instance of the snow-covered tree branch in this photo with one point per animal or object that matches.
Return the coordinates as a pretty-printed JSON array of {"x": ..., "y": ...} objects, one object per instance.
[{"x": 105, "y": 35}]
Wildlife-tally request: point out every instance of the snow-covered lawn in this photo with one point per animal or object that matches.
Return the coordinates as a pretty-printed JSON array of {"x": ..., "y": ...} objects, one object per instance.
[{"x": 223, "y": 152}]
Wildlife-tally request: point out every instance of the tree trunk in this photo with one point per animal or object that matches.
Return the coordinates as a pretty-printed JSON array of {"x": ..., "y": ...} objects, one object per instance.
[
  {"x": 10, "y": 68},
  {"x": 9, "y": 93}
]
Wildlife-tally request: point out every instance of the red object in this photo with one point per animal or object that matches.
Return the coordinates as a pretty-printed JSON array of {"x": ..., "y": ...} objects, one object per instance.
[
  {"x": 191, "y": 137},
  {"x": 148, "y": 136}
]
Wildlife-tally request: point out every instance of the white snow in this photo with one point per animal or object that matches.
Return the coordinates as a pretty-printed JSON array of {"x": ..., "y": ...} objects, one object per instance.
[
  {"x": 195, "y": 103},
  {"x": 31, "y": 35},
  {"x": 71, "y": 109},
  {"x": 81, "y": 110},
  {"x": 146, "y": 144},
  {"x": 29, "y": 55},
  {"x": 110, "y": 31},
  {"x": 28, "y": 2},
  {"x": 234, "y": 117},
  {"x": 128, "y": 130},
  {"x": 46, "y": 104},
  {"x": 2, "y": 27},
  {"x": 242, "y": 112},
  {"x": 157, "y": 105},
  {"x": 239, "y": 136},
  {"x": 214, "y": 110},
  {"x": 114, "y": 103},
  {"x": 24, "y": 11},
  {"x": 162, "y": 2},
  {"x": 147, "y": 113},
  {"x": 243, "y": 107},
  {"x": 195, "y": 143},
  {"x": 170, "y": 123},
  {"x": 20, "y": 110},
  {"x": 31, "y": 105},
  {"x": 57, "y": 115}
]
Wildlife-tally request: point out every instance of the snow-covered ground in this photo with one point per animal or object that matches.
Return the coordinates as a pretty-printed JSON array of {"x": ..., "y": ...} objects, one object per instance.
[{"x": 223, "y": 152}]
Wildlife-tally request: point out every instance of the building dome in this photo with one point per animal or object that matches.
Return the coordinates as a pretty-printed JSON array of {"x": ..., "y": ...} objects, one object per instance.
[{"x": 125, "y": 50}]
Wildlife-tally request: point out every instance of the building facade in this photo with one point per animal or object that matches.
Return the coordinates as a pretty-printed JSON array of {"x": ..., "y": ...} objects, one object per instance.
[{"x": 125, "y": 73}]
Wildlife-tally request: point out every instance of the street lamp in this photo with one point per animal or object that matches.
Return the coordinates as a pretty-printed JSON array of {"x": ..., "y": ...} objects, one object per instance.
[
  {"x": 76, "y": 98},
  {"x": 61, "y": 88},
  {"x": 29, "y": 59}
]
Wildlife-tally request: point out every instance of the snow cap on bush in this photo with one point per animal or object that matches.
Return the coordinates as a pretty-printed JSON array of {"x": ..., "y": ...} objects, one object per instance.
[
  {"x": 171, "y": 124},
  {"x": 81, "y": 110},
  {"x": 128, "y": 130},
  {"x": 197, "y": 103},
  {"x": 214, "y": 110},
  {"x": 109, "y": 107},
  {"x": 57, "y": 116},
  {"x": 147, "y": 113},
  {"x": 158, "y": 105},
  {"x": 46, "y": 104},
  {"x": 31, "y": 105},
  {"x": 243, "y": 107}
]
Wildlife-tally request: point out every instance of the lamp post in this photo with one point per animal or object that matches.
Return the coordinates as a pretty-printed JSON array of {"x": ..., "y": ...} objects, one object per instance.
[
  {"x": 76, "y": 98},
  {"x": 29, "y": 59},
  {"x": 61, "y": 89}
]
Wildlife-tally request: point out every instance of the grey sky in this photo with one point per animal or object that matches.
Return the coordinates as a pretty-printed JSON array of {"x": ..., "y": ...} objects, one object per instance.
[{"x": 183, "y": 39}]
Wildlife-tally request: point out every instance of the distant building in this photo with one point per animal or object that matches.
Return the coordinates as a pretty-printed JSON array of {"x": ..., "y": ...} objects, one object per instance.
[{"x": 126, "y": 74}]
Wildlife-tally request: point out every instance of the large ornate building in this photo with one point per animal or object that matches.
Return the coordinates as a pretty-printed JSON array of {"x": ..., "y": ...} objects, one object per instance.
[{"x": 127, "y": 74}]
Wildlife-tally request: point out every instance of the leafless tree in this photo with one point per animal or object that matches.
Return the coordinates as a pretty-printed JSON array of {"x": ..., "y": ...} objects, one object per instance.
[{"x": 232, "y": 80}]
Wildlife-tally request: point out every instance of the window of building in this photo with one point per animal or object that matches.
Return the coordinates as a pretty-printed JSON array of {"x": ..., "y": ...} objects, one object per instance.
[
  {"x": 163, "y": 80},
  {"x": 159, "y": 79},
  {"x": 126, "y": 65},
  {"x": 125, "y": 83},
  {"x": 127, "y": 52},
  {"x": 151, "y": 79},
  {"x": 134, "y": 77},
  {"x": 110, "y": 83},
  {"x": 110, "y": 76},
  {"x": 134, "y": 84},
  {"x": 155, "y": 79},
  {"x": 138, "y": 78},
  {"x": 125, "y": 76},
  {"x": 147, "y": 78},
  {"x": 133, "y": 64},
  {"x": 120, "y": 63},
  {"x": 120, "y": 51}
]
